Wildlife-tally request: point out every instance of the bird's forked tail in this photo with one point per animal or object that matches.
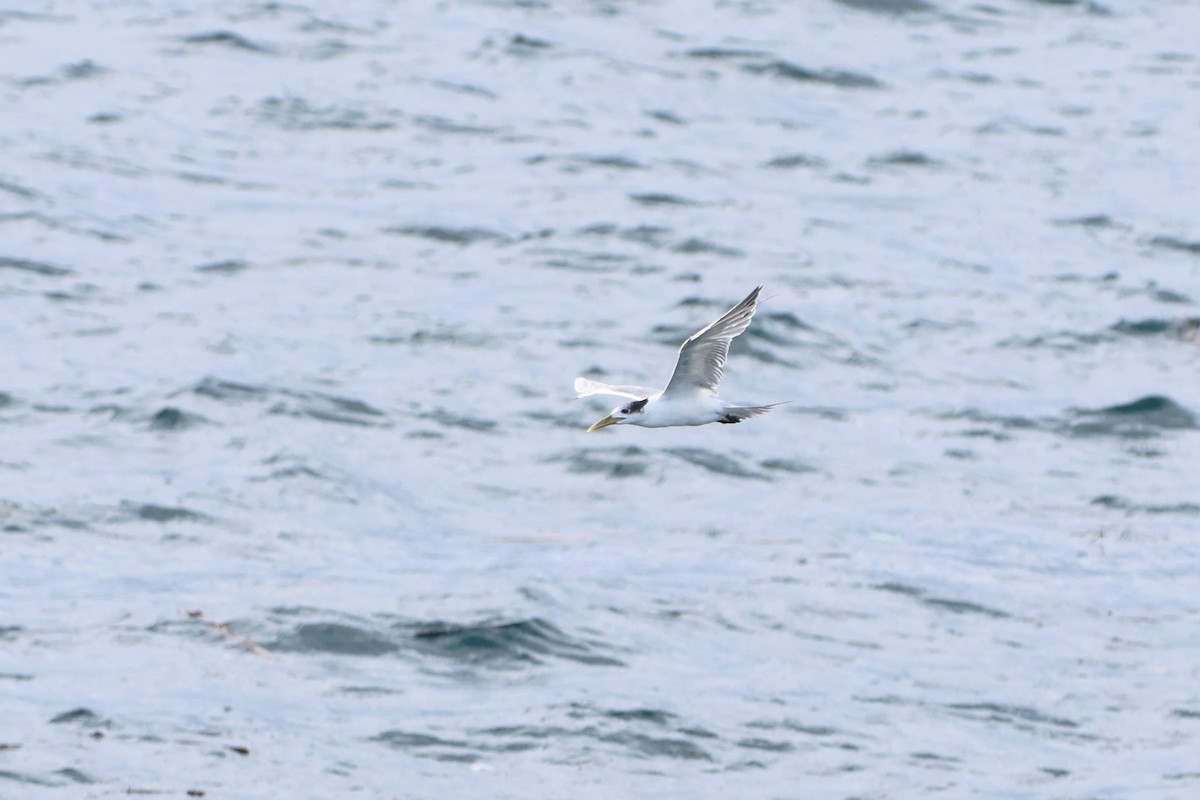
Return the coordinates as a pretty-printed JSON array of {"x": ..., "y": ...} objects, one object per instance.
[{"x": 738, "y": 413}]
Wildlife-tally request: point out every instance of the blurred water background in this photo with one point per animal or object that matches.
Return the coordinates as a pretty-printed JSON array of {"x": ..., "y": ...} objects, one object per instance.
[{"x": 296, "y": 501}]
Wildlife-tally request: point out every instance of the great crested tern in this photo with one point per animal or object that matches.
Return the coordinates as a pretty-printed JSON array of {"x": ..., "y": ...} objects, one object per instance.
[{"x": 691, "y": 395}]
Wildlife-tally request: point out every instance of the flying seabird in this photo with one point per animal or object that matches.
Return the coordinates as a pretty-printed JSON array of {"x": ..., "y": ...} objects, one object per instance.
[{"x": 691, "y": 395}]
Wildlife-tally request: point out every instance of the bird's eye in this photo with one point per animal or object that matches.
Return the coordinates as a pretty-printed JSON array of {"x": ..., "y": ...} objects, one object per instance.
[{"x": 625, "y": 410}]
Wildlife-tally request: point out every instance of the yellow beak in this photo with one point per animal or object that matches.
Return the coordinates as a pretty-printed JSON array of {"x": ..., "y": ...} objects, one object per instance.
[{"x": 604, "y": 423}]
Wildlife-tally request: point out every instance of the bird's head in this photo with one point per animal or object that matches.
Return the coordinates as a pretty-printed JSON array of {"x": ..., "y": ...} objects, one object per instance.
[{"x": 620, "y": 414}]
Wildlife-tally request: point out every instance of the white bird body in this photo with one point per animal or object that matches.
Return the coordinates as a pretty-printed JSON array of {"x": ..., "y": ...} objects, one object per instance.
[{"x": 691, "y": 395}]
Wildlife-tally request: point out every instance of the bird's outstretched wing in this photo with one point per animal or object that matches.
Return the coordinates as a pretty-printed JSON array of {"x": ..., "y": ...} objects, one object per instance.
[
  {"x": 702, "y": 357},
  {"x": 586, "y": 387}
]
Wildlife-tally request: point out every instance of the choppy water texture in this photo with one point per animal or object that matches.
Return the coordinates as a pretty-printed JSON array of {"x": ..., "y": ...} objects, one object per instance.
[{"x": 296, "y": 501}]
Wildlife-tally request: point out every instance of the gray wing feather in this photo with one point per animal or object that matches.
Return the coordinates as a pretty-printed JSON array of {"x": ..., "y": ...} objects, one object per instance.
[
  {"x": 586, "y": 387},
  {"x": 702, "y": 357}
]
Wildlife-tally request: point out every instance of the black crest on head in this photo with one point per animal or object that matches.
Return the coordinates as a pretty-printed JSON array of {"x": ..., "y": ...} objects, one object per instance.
[{"x": 636, "y": 406}]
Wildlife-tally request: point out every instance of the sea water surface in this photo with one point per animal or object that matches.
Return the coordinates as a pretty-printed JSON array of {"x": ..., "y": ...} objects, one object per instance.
[{"x": 296, "y": 500}]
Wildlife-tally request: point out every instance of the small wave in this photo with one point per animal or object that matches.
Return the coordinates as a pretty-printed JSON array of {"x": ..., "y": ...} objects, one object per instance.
[
  {"x": 786, "y": 465},
  {"x": 228, "y": 39},
  {"x": 943, "y": 603},
  {"x": 1092, "y": 221},
  {"x": 653, "y": 236},
  {"x": 724, "y": 53},
  {"x": 491, "y": 644},
  {"x": 589, "y": 261},
  {"x": 448, "y": 419},
  {"x": 1067, "y": 341},
  {"x": 891, "y": 7},
  {"x": 660, "y": 199},
  {"x": 151, "y": 512},
  {"x": 290, "y": 402},
  {"x": 612, "y": 462},
  {"x": 296, "y": 114},
  {"x": 35, "y": 267},
  {"x": 641, "y": 734},
  {"x": 441, "y": 335},
  {"x": 447, "y": 235},
  {"x": 336, "y": 638},
  {"x": 1143, "y": 418},
  {"x": 506, "y": 643},
  {"x": 83, "y": 717},
  {"x": 695, "y": 246},
  {"x": 1182, "y": 327},
  {"x": 229, "y": 267},
  {"x": 169, "y": 418},
  {"x": 717, "y": 463},
  {"x": 841, "y": 79},
  {"x": 1191, "y": 247},
  {"x": 795, "y": 160},
  {"x": 527, "y": 46},
  {"x": 444, "y": 125},
  {"x": 1128, "y": 506},
  {"x": 1020, "y": 716},
  {"x": 903, "y": 158}
]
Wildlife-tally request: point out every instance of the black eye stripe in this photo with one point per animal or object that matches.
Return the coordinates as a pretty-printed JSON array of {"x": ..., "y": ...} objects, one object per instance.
[{"x": 636, "y": 405}]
